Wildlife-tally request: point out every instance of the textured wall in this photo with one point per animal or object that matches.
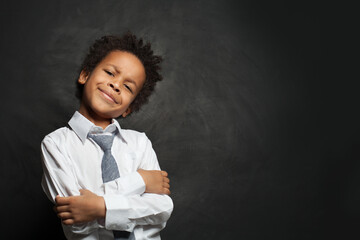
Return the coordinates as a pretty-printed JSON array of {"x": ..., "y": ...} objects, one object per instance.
[{"x": 256, "y": 120}]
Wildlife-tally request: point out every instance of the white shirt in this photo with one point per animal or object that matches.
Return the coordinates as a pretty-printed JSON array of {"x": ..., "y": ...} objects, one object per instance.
[{"x": 71, "y": 162}]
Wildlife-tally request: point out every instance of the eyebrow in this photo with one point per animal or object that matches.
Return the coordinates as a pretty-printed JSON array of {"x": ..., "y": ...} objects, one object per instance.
[
  {"x": 112, "y": 65},
  {"x": 132, "y": 81}
]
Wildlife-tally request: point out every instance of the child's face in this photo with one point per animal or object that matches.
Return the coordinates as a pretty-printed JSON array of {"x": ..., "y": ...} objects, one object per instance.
[{"x": 112, "y": 86}]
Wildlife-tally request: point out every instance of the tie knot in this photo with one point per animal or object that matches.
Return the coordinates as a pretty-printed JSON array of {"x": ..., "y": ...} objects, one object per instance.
[{"x": 104, "y": 141}]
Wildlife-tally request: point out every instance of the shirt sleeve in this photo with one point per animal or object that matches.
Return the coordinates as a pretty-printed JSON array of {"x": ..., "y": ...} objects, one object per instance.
[
  {"x": 125, "y": 212},
  {"x": 60, "y": 179}
]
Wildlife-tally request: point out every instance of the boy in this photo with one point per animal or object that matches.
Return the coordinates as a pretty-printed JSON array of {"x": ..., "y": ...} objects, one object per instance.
[{"x": 106, "y": 181}]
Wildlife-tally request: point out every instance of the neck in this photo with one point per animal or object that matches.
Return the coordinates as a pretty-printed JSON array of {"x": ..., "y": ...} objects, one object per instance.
[{"x": 93, "y": 117}]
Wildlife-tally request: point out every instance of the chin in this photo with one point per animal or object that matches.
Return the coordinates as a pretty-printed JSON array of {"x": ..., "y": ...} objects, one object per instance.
[{"x": 109, "y": 114}]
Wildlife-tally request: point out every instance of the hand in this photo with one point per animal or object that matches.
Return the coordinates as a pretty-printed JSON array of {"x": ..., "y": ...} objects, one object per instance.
[
  {"x": 155, "y": 181},
  {"x": 79, "y": 209}
]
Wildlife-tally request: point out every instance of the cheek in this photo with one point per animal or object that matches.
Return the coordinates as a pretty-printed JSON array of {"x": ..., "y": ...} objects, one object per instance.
[
  {"x": 87, "y": 92},
  {"x": 127, "y": 96},
  {"x": 129, "y": 99}
]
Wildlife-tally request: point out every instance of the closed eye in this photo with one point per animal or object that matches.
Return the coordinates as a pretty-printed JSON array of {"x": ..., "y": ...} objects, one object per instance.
[
  {"x": 128, "y": 88},
  {"x": 109, "y": 73}
]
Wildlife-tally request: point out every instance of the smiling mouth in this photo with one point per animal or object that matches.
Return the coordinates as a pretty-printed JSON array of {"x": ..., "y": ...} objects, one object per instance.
[{"x": 108, "y": 96}]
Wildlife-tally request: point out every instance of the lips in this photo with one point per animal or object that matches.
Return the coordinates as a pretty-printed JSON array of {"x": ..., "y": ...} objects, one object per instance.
[{"x": 107, "y": 95}]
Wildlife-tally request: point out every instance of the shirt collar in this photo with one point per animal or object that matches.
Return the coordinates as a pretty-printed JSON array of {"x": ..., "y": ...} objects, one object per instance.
[{"x": 82, "y": 126}]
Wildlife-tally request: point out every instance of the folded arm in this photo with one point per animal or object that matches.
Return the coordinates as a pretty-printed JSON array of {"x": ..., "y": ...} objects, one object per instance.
[
  {"x": 124, "y": 210},
  {"x": 89, "y": 206}
]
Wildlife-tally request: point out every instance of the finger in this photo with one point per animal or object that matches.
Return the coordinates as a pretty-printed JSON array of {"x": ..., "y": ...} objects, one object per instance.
[
  {"x": 62, "y": 200},
  {"x": 166, "y": 185},
  {"x": 165, "y": 179},
  {"x": 60, "y": 209},
  {"x": 65, "y": 215},
  {"x": 83, "y": 191},
  {"x": 68, "y": 221},
  {"x": 166, "y": 191},
  {"x": 164, "y": 173}
]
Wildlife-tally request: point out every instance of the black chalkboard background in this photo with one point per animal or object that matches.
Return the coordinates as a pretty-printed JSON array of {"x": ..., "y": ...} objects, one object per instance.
[{"x": 256, "y": 121}]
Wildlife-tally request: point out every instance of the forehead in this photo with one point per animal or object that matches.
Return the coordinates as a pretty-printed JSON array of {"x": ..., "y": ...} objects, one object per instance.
[{"x": 126, "y": 63}]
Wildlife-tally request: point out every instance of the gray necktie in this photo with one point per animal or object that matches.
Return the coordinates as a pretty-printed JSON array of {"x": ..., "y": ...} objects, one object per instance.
[
  {"x": 109, "y": 170},
  {"x": 109, "y": 167}
]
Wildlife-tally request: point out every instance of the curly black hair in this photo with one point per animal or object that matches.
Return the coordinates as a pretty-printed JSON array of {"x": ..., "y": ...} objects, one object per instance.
[{"x": 128, "y": 43}]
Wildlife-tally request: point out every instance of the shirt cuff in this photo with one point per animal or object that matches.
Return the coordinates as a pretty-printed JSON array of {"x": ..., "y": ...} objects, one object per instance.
[
  {"x": 132, "y": 184},
  {"x": 117, "y": 210},
  {"x": 81, "y": 231}
]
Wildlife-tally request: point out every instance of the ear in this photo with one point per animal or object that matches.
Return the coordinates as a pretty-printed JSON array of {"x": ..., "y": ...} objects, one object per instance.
[
  {"x": 127, "y": 112},
  {"x": 83, "y": 77}
]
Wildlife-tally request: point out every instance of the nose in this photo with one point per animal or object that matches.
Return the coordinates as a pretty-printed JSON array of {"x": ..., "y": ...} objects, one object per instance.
[{"x": 114, "y": 87}]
